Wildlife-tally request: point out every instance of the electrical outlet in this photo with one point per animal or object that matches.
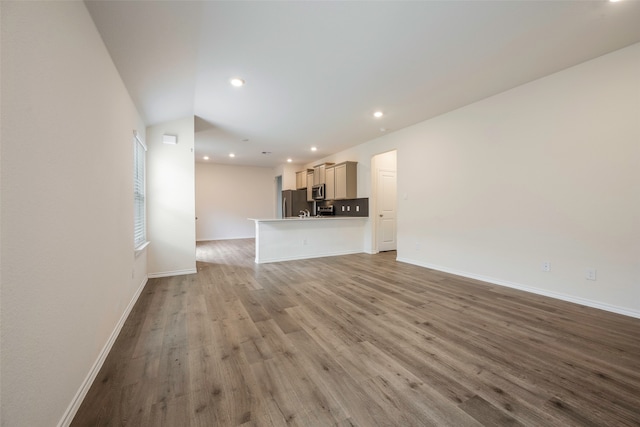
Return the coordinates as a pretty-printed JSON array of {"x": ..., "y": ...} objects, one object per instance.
[
  {"x": 357, "y": 208},
  {"x": 591, "y": 274},
  {"x": 546, "y": 266},
  {"x": 342, "y": 208},
  {"x": 348, "y": 208}
]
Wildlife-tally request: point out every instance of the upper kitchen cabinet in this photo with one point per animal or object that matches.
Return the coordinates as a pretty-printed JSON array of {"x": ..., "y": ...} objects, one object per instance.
[
  {"x": 319, "y": 173},
  {"x": 310, "y": 185},
  {"x": 341, "y": 181},
  {"x": 301, "y": 179},
  {"x": 330, "y": 183},
  {"x": 345, "y": 177}
]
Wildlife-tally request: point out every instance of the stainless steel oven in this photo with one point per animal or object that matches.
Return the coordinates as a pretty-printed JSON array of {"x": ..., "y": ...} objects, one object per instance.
[{"x": 325, "y": 210}]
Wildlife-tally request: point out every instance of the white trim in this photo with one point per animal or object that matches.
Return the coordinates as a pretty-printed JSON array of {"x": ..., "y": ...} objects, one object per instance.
[
  {"x": 172, "y": 273},
  {"x": 319, "y": 255},
  {"x": 137, "y": 251},
  {"x": 225, "y": 238},
  {"x": 373, "y": 200},
  {"x": 551, "y": 294},
  {"x": 137, "y": 137},
  {"x": 73, "y": 407}
]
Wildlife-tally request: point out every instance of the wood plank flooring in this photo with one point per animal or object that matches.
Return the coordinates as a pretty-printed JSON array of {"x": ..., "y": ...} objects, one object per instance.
[{"x": 360, "y": 340}]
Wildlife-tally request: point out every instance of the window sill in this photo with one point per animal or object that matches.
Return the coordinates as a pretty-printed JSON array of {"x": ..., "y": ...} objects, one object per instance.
[{"x": 137, "y": 251}]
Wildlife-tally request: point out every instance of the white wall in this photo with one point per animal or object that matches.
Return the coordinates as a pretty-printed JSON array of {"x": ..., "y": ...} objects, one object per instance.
[
  {"x": 171, "y": 199},
  {"x": 68, "y": 269},
  {"x": 288, "y": 173},
  {"x": 387, "y": 161},
  {"x": 227, "y": 195},
  {"x": 548, "y": 171}
]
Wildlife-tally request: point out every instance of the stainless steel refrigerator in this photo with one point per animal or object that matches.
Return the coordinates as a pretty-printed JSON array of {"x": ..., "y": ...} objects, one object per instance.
[{"x": 294, "y": 201}]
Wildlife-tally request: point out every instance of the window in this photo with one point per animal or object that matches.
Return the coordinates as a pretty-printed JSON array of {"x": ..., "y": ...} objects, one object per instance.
[{"x": 139, "y": 210}]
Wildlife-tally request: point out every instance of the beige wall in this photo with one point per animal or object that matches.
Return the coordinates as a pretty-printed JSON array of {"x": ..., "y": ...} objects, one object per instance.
[
  {"x": 69, "y": 273},
  {"x": 171, "y": 199},
  {"x": 548, "y": 171},
  {"x": 227, "y": 195}
]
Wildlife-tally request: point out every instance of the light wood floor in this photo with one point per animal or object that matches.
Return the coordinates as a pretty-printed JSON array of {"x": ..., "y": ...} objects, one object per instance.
[{"x": 360, "y": 340}]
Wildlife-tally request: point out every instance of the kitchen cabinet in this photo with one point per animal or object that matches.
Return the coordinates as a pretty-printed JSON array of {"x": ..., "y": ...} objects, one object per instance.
[
  {"x": 319, "y": 173},
  {"x": 345, "y": 176},
  {"x": 301, "y": 179},
  {"x": 330, "y": 183},
  {"x": 310, "y": 186}
]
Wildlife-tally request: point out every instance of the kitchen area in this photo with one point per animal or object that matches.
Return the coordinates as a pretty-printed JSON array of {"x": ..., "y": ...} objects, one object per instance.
[{"x": 321, "y": 217}]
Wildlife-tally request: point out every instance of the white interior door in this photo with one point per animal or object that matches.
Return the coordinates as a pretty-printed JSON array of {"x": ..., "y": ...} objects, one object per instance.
[{"x": 386, "y": 210}]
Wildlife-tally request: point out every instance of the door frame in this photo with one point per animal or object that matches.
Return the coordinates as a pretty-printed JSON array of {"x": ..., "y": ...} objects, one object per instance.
[
  {"x": 373, "y": 212},
  {"x": 278, "y": 206}
]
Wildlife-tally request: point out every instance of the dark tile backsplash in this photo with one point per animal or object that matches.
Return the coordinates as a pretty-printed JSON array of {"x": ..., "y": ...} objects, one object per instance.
[{"x": 352, "y": 207}]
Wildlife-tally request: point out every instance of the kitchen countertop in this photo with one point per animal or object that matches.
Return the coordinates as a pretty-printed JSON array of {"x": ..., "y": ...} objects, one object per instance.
[{"x": 312, "y": 218}]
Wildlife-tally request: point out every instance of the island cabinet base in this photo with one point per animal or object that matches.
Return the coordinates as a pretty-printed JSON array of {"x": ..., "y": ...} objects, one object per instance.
[{"x": 293, "y": 238}]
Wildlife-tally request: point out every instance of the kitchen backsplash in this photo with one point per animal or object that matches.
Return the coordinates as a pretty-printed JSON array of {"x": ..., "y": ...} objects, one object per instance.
[{"x": 351, "y": 207}]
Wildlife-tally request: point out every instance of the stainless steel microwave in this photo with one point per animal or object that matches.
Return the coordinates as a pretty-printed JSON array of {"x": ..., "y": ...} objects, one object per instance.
[{"x": 317, "y": 192}]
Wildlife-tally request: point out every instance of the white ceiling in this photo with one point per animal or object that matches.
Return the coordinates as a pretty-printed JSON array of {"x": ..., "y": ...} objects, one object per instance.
[{"x": 316, "y": 71}]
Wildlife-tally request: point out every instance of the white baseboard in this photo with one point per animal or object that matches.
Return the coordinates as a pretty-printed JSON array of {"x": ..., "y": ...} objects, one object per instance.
[
  {"x": 67, "y": 418},
  {"x": 543, "y": 292},
  {"x": 172, "y": 273},
  {"x": 225, "y": 238}
]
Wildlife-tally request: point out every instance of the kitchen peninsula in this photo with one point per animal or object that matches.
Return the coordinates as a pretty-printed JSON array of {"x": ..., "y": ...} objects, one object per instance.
[
  {"x": 309, "y": 237},
  {"x": 332, "y": 220}
]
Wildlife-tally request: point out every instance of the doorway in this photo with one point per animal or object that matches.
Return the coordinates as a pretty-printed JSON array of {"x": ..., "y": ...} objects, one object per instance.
[
  {"x": 384, "y": 172},
  {"x": 279, "y": 196}
]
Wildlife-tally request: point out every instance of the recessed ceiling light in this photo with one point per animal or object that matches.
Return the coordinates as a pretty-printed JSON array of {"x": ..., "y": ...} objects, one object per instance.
[
  {"x": 231, "y": 155},
  {"x": 614, "y": 1},
  {"x": 236, "y": 82},
  {"x": 378, "y": 114},
  {"x": 206, "y": 157},
  {"x": 383, "y": 129},
  {"x": 289, "y": 160},
  {"x": 314, "y": 148}
]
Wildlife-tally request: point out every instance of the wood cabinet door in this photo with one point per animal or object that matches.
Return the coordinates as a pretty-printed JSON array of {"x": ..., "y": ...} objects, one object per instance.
[
  {"x": 319, "y": 175},
  {"x": 330, "y": 187},
  {"x": 340, "y": 181},
  {"x": 310, "y": 187},
  {"x": 301, "y": 180}
]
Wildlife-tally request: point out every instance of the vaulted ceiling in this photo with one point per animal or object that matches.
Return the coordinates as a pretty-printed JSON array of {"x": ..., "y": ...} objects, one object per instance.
[{"x": 316, "y": 71}]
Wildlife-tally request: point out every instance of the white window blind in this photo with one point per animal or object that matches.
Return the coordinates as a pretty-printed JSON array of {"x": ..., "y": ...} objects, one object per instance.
[{"x": 139, "y": 210}]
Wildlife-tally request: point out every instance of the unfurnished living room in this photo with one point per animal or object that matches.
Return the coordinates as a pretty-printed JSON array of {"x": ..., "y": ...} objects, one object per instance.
[{"x": 320, "y": 213}]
